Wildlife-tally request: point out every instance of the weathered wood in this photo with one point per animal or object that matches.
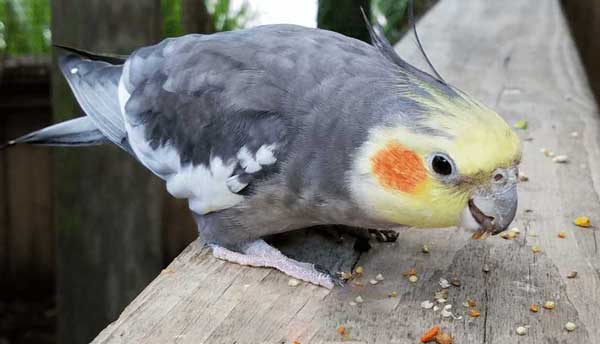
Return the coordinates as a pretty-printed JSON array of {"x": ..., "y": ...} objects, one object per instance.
[
  {"x": 27, "y": 246},
  {"x": 516, "y": 56},
  {"x": 107, "y": 204}
]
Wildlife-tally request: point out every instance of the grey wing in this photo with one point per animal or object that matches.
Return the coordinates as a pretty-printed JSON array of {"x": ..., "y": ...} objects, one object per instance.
[{"x": 183, "y": 125}]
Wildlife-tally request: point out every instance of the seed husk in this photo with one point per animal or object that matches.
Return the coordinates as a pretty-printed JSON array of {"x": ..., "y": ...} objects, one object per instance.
[
  {"x": 410, "y": 272},
  {"x": 572, "y": 274},
  {"x": 373, "y": 281},
  {"x": 379, "y": 277},
  {"x": 474, "y": 313},
  {"x": 427, "y": 304},
  {"x": 413, "y": 278},
  {"x": 443, "y": 338},
  {"x": 560, "y": 159},
  {"x": 425, "y": 249},
  {"x": 293, "y": 282},
  {"x": 521, "y": 330},
  {"x": 570, "y": 326},
  {"x": 359, "y": 299}
]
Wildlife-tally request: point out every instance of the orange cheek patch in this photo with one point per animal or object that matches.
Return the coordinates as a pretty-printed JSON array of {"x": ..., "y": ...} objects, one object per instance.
[{"x": 398, "y": 168}]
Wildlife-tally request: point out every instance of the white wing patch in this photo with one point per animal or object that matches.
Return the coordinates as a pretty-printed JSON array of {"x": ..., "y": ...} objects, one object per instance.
[{"x": 207, "y": 188}]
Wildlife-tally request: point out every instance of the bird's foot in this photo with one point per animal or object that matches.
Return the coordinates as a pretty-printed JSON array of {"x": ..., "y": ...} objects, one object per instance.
[
  {"x": 384, "y": 235},
  {"x": 259, "y": 253}
]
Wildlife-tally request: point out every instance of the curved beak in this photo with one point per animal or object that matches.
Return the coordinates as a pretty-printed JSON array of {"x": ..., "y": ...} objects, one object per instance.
[{"x": 491, "y": 210}]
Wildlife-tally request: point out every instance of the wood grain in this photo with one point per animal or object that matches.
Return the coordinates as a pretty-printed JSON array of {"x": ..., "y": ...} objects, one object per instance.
[{"x": 518, "y": 57}]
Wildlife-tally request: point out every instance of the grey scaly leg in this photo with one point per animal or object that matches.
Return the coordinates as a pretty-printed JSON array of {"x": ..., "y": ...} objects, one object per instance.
[{"x": 259, "y": 253}]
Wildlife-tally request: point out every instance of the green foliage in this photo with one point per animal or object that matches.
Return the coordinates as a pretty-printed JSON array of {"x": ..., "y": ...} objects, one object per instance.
[
  {"x": 24, "y": 26},
  {"x": 224, "y": 17},
  {"x": 391, "y": 15}
]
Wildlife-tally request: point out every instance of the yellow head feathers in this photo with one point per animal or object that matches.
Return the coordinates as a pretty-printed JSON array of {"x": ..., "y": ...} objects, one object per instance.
[{"x": 424, "y": 178}]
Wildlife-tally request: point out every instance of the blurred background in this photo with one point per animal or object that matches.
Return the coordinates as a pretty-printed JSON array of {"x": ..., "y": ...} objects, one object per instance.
[{"x": 84, "y": 230}]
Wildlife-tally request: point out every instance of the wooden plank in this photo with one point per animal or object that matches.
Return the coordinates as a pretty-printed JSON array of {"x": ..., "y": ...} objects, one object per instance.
[{"x": 516, "y": 56}]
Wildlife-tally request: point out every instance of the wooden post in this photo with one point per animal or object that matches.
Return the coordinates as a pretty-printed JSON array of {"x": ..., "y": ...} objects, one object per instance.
[{"x": 107, "y": 205}]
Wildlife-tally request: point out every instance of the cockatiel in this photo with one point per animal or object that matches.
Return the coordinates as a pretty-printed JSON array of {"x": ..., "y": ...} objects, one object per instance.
[{"x": 281, "y": 127}]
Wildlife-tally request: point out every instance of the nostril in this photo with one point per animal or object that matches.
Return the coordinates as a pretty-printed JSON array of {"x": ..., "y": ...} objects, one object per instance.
[{"x": 498, "y": 177}]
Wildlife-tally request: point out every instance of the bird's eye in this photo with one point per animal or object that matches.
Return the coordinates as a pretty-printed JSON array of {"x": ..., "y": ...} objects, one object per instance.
[{"x": 441, "y": 165}]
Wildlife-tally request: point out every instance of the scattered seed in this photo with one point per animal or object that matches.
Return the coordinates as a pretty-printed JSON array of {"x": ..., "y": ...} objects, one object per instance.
[
  {"x": 560, "y": 159},
  {"x": 295, "y": 342},
  {"x": 341, "y": 330},
  {"x": 359, "y": 270},
  {"x": 446, "y": 313},
  {"x": 425, "y": 249},
  {"x": 536, "y": 249},
  {"x": 447, "y": 307},
  {"x": 359, "y": 299},
  {"x": 534, "y": 308},
  {"x": 583, "y": 221},
  {"x": 473, "y": 313},
  {"x": 562, "y": 235},
  {"x": 441, "y": 300},
  {"x": 442, "y": 294},
  {"x": 549, "y": 304},
  {"x": 379, "y": 277},
  {"x": 352, "y": 303},
  {"x": 293, "y": 282},
  {"x": 436, "y": 308},
  {"x": 466, "y": 304},
  {"x": 550, "y": 154},
  {"x": 412, "y": 278},
  {"x": 427, "y": 304},
  {"x": 410, "y": 272},
  {"x": 572, "y": 274},
  {"x": 373, "y": 281},
  {"x": 515, "y": 230},
  {"x": 168, "y": 271},
  {"x": 570, "y": 326},
  {"x": 443, "y": 338},
  {"x": 521, "y": 330},
  {"x": 345, "y": 275},
  {"x": 522, "y": 124},
  {"x": 574, "y": 134},
  {"x": 523, "y": 177},
  {"x": 430, "y": 334},
  {"x": 444, "y": 283},
  {"x": 393, "y": 294},
  {"x": 471, "y": 303}
]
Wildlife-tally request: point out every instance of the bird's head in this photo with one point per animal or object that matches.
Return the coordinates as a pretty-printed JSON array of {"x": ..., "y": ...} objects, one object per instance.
[{"x": 452, "y": 162}]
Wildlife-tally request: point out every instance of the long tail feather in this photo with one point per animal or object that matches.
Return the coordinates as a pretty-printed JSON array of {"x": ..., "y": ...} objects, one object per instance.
[
  {"x": 76, "y": 132},
  {"x": 110, "y": 58}
]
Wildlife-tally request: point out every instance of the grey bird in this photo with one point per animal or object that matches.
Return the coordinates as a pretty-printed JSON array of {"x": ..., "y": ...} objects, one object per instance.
[{"x": 280, "y": 127}]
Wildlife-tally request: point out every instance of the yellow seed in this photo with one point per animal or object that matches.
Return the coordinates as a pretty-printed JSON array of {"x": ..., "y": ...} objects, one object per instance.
[
  {"x": 549, "y": 305},
  {"x": 341, "y": 330},
  {"x": 583, "y": 221},
  {"x": 536, "y": 249},
  {"x": 471, "y": 303},
  {"x": 359, "y": 270},
  {"x": 534, "y": 308},
  {"x": 413, "y": 278},
  {"x": 562, "y": 235},
  {"x": 393, "y": 294}
]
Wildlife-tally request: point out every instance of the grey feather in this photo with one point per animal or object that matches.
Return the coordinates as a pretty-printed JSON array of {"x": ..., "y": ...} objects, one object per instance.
[
  {"x": 76, "y": 132},
  {"x": 95, "y": 85}
]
